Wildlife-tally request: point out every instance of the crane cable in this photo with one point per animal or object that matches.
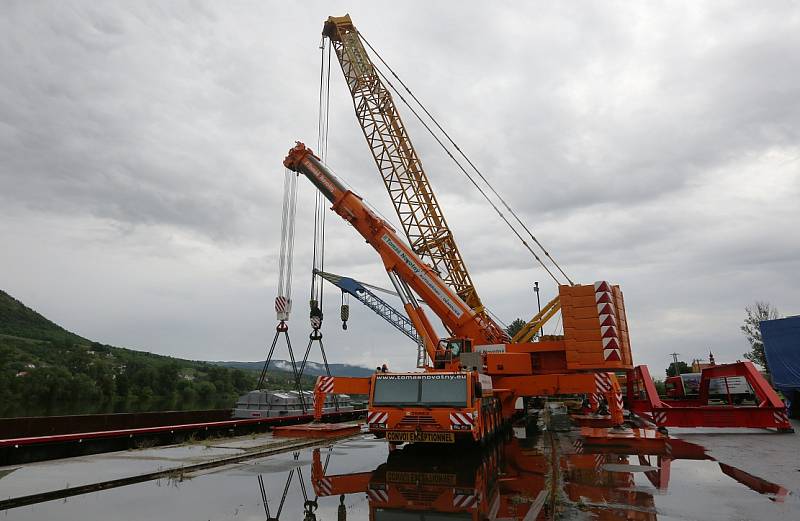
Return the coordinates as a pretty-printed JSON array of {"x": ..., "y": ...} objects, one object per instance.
[
  {"x": 285, "y": 261},
  {"x": 471, "y": 164},
  {"x": 471, "y": 179},
  {"x": 318, "y": 254}
]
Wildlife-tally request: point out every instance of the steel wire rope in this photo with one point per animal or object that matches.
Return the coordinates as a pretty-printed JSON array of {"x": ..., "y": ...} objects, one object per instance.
[
  {"x": 286, "y": 262},
  {"x": 323, "y": 127},
  {"x": 471, "y": 179},
  {"x": 316, "y": 192},
  {"x": 461, "y": 152}
]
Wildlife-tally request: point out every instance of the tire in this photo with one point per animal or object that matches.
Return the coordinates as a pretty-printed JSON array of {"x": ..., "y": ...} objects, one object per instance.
[{"x": 483, "y": 432}]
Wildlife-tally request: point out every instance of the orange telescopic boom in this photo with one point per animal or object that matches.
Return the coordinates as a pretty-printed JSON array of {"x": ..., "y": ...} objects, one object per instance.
[{"x": 398, "y": 259}]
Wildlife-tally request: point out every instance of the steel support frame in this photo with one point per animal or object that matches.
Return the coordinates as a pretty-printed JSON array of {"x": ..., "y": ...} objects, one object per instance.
[
  {"x": 338, "y": 385},
  {"x": 770, "y": 413},
  {"x": 512, "y": 387}
]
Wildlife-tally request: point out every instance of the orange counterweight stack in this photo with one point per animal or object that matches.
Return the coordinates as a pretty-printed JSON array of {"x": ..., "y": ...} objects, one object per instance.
[{"x": 595, "y": 329}]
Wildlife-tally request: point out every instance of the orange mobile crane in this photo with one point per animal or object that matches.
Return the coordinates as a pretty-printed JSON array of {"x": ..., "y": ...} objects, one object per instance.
[{"x": 476, "y": 376}]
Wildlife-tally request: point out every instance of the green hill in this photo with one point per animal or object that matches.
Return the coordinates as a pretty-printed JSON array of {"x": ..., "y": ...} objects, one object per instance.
[{"x": 48, "y": 370}]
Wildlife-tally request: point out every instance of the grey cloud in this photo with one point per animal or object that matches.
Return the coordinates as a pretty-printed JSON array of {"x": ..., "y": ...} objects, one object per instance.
[{"x": 141, "y": 148}]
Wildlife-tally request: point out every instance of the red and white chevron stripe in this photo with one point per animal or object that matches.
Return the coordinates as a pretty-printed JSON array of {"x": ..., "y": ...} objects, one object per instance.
[
  {"x": 325, "y": 486},
  {"x": 578, "y": 444},
  {"x": 461, "y": 419},
  {"x": 378, "y": 496},
  {"x": 608, "y": 321},
  {"x": 618, "y": 398},
  {"x": 282, "y": 304},
  {"x": 602, "y": 382},
  {"x": 377, "y": 417},
  {"x": 464, "y": 500},
  {"x": 780, "y": 417},
  {"x": 599, "y": 461},
  {"x": 605, "y": 308},
  {"x": 325, "y": 384},
  {"x": 660, "y": 417}
]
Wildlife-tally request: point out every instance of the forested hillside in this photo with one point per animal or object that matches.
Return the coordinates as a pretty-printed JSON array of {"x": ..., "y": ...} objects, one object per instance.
[{"x": 47, "y": 370}]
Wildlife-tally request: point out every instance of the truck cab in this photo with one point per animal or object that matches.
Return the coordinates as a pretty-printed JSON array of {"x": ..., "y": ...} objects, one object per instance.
[{"x": 433, "y": 407}]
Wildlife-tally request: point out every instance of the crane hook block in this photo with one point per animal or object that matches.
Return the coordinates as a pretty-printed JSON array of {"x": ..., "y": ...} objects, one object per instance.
[
  {"x": 315, "y": 315},
  {"x": 345, "y": 314}
]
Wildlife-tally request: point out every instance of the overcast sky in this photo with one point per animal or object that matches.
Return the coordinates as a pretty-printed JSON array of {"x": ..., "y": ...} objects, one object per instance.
[{"x": 653, "y": 145}]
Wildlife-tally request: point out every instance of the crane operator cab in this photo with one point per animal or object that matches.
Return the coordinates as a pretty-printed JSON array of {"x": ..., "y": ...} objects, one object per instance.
[{"x": 449, "y": 349}]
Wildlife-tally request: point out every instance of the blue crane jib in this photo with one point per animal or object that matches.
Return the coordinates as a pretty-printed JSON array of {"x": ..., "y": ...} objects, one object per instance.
[{"x": 382, "y": 308}]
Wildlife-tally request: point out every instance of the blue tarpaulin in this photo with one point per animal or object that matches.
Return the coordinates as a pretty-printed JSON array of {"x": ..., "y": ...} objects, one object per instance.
[{"x": 782, "y": 347}]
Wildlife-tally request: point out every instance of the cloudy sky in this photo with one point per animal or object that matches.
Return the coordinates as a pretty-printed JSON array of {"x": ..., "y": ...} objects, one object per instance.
[{"x": 655, "y": 145}]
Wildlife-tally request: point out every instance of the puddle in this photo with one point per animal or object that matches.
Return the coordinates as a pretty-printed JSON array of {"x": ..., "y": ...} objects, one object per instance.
[{"x": 549, "y": 477}]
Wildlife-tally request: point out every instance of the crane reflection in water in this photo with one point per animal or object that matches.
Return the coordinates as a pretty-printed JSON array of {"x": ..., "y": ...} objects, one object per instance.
[{"x": 546, "y": 477}]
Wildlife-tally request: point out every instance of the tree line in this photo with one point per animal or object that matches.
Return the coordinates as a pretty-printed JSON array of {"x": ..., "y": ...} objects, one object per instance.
[{"x": 43, "y": 378}]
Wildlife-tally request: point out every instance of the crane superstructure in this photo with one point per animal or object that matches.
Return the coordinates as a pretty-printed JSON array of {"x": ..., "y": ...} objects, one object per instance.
[{"x": 476, "y": 376}]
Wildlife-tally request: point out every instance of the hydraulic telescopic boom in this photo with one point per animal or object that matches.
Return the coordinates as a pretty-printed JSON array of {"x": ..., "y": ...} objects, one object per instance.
[{"x": 399, "y": 260}]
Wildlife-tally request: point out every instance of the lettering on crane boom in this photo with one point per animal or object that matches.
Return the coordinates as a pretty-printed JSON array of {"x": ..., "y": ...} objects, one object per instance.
[
  {"x": 422, "y": 377},
  {"x": 322, "y": 179},
  {"x": 420, "y": 272}
]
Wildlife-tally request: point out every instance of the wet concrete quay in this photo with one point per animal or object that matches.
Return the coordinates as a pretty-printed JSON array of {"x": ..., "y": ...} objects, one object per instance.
[{"x": 580, "y": 474}]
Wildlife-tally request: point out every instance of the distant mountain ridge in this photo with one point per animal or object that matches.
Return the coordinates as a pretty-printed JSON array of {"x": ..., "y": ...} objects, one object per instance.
[
  {"x": 18, "y": 320},
  {"x": 47, "y": 370},
  {"x": 311, "y": 369}
]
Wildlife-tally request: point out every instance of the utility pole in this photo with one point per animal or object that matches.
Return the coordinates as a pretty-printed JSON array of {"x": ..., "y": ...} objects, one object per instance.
[
  {"x": 536, "y": 289},
  {"x": 675, "y": 358}
]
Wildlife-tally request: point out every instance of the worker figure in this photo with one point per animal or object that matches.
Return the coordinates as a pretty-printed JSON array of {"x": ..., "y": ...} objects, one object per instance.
[
  {"x": 341, "y": 514},
  {"x": 384, "y": 369},
  {"x": 378, "y": 369}
]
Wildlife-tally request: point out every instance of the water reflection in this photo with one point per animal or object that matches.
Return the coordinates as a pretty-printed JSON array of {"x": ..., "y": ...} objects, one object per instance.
[
  {"x": 594, "y": 475},
  {"x": 583, "y": 475}
]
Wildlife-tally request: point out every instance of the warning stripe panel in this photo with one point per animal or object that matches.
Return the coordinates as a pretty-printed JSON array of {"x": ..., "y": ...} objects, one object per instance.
[
  {"x": 601, "y": 286},
  {"x": 379, "y": 496},
  {"x": 602, "y": 382},
  {"x": 464, "y": 500},
  {"x": 606, "y": 309},
  {"x": 460, "y": 418},
  {"x": 325, "y": 486},
  {"x": 325, "y": 384},
  {"x": 377, "y": 417},
  {"x": 281, "y": 304}
]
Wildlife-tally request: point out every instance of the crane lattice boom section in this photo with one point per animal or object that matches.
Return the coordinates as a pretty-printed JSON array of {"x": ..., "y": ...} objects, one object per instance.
[{"x": 408, "y": 186}]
